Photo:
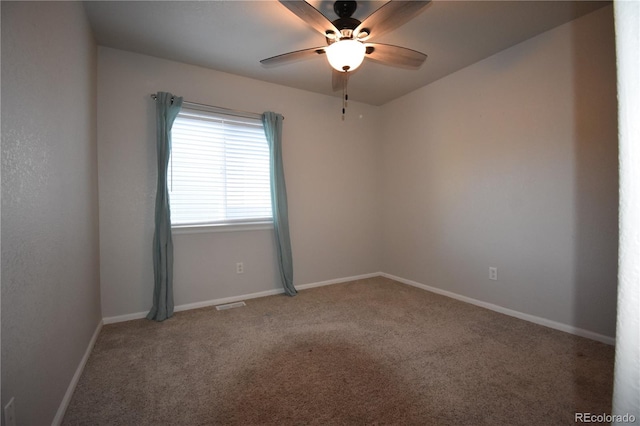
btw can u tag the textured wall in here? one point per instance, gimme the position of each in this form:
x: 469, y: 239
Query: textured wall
x: 50, y: 272
x: 512, y: 163
x: 331, y: 169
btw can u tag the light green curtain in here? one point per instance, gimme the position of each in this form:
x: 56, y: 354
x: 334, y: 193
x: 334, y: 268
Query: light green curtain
x: 167, y: 108
x: 272, y: 123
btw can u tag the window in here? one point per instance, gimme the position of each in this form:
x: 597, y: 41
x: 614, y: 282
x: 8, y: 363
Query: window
x: 218, y: 170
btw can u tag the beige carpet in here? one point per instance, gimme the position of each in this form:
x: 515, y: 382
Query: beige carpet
x: 366, y: 352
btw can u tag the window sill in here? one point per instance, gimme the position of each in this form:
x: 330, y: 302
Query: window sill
x: 233, y: 227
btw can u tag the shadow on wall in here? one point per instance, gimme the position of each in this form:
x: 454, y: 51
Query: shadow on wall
x: 596, y: 175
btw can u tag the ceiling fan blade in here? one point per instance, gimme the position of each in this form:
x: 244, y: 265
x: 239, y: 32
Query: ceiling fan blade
x: 292, y: 56
x: 389, y: 17
x: 395, y: 55
x: 311, y: 16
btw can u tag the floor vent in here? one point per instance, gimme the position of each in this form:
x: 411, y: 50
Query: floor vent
x: 230, y: 305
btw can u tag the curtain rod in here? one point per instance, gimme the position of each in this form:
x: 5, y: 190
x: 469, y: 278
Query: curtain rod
x: 220, y: 109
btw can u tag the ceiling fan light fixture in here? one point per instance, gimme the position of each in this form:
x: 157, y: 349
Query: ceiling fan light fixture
x: 346, y: 55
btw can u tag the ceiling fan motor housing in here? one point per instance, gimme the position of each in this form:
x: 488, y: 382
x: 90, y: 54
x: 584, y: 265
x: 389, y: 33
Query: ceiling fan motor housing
x: 345, y: 23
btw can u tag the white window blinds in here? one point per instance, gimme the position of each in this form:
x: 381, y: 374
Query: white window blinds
x: 218, y: 170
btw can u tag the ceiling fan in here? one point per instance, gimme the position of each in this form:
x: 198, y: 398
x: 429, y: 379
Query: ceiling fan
x: 348, y: 39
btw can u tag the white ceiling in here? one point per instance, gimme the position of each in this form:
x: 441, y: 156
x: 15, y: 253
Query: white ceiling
x: 233, y: 36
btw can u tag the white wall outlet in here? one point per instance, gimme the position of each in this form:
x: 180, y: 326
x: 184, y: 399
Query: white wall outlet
x: 9, y: 414
x: 493, y: 273
x: 239, y: 268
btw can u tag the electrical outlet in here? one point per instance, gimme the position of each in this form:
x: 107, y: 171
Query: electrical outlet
x: 239, y: 268
x: 493, y: 273
x: 9, y: 414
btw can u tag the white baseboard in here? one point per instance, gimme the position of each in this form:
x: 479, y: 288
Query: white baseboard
x: 225, y: 300
x: 123, y: 318
x: 338, y: 280
x: 195, y: 305
x: 76, y: 377
x: 527, y: 317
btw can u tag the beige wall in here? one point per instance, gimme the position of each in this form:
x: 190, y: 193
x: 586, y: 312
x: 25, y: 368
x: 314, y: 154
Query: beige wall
x: 331, y: 169
x: 50, y: 270
x: 512, y: 163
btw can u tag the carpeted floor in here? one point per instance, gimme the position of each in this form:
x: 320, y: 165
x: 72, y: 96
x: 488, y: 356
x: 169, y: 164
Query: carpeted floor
x: 366, y: 352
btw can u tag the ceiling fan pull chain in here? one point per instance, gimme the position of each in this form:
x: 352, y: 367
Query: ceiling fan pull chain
x: 345, y: 95
x: 346, y: 91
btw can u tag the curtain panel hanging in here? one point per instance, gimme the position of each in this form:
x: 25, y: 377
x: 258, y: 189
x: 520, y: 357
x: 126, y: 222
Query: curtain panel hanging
x: 167, y: 108
x: 272, y: 123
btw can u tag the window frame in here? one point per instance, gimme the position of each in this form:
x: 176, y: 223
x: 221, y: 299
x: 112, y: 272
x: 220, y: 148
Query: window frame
x: 230, y: 226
